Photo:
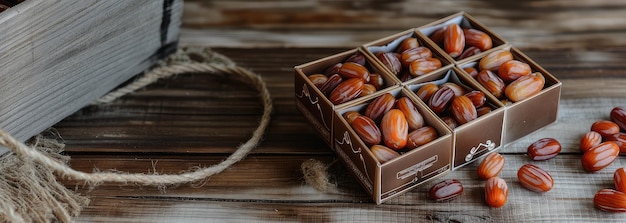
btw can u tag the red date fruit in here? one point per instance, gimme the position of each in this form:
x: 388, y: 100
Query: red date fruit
x: 620, y: 140
x: 379, y: 106
x: 544, y: 149
x: 463, y: 109
x: 391, y: 61
x: 367, y: 130
x: 470, y: 51
x: 610, y: 200
x: 330, y: 84
x: 619, y: 178
x: 412, y: 115
x: 491, y: 166
x: 318, y: 79
x: 377, y: 80
x: 334, y: 69
x: 454, y: 40
x: 350, y: 116
x: 590, y: 140
x: 491, y: 82
x: 394, y: 129
x: 426, y: 91
x: 356, y: 58
x: 496, y: 192
x: 605, y: 128
x: 408, y: 43
x: 534, y: 178
x: 354, y: 70
x: 446, y: 190
x: 450, y: 122
x: 471, y: 71
x: 618, y: 115
x: 477, y: 38
x: 421, y: 136
x: 346, y: 91
x: 600, y: 156
x: 414, y: 54
x: 512, y: 70
x: 441, y: 99
x: 424, y: 66
x: 478, y: 98
x: 383, y: 154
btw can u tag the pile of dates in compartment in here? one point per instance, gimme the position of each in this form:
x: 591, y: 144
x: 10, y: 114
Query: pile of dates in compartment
x: 499, y: 72
x: 390, y: 126
x: 346, y: 81
x: 409, y: 60
x: 453, y: 104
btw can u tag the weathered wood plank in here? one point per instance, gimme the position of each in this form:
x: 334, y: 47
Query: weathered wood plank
x: 245, y: 192
x: 532, y: 24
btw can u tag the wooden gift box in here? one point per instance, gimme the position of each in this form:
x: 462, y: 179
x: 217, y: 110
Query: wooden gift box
x: 455, y: 147
x: 57, y: 57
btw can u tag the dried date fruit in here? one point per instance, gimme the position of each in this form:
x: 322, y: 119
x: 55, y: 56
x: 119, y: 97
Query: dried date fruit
x: 408, y: 43
x: 534, y: 178
x: 367, y: 89
x: 600, y: 156
x: 610, y: 200
x: 605, y: 128
x: 477, y: 38
x: 463, y: 109
x: 424, y: 66
x: 478, y: 98
x: 376, y: 80
x: 394, y: 129
x: 493, y: 60
x: 390, y: 61
x: 454, y: 40
x: 544, y: 149
x: 458, y: 90
x: 446, y: 190
x: 483, y: 110
x: 421, y: 136
x: 619, y: 179
x: 426, y: 91
x: 450, y: 122
x: 491, y: 166
x: 350, y: 116
x: 334, y: 69
x: 441, y: 99
x: 618, y: 115
x: 383, y: 153
x: 367, y: 130
x: 620, y: 140
x: 512, y: 70
x: 524, y: 87
x: 470, y: 51
x: 589, y: 140
x: 414, y: 54
x: 330, y: 84
x: 471, y: 71
x: 354, y: 70
x: 438, y: 36
x: 379, y: 106
x: 346, y: 91
x: 412, y: 115
x: 318, y: 79
x: 491, y: 82
x: 496, y: 192
x: 356, y: 58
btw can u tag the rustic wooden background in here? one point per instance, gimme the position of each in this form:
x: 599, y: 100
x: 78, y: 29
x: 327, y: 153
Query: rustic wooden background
x: 193, y: 120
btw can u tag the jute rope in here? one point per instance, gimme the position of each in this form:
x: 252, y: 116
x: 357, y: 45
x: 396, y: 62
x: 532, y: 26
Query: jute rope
x: 212, y: 64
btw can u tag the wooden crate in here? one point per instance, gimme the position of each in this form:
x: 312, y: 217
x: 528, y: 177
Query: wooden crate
x: 58, y: 56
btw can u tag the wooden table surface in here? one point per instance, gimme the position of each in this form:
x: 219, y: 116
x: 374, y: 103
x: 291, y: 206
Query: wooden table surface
x: 188, y: 121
